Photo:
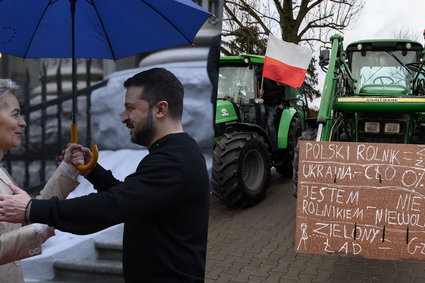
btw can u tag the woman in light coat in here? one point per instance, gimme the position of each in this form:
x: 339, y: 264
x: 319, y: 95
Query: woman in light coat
x: 17, y: 241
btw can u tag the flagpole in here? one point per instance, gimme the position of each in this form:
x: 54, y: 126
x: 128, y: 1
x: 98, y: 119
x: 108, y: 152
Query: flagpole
x: 261, y: 92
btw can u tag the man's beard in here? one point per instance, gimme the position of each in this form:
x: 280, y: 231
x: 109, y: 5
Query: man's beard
x: 144, y: 135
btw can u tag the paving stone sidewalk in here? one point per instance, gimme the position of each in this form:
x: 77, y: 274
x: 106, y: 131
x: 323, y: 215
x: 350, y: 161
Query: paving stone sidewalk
x: 257, y: 245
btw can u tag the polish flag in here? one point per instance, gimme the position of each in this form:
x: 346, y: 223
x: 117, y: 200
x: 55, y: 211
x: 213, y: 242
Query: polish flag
x: 286, y: 62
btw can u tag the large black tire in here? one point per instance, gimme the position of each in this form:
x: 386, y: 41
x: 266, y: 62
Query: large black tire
x: 309, y: 135
x: 241, y: 169
x: 286, y: 166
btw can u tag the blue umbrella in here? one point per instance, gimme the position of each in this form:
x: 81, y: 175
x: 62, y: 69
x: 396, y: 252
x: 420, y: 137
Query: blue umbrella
x: 105, y: 29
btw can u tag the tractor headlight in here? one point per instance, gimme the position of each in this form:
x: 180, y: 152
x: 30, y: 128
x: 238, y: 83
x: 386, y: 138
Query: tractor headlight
x: 392, y: 128
x: 408, y: 45
x: 359, y: 46
x: 371, y: 127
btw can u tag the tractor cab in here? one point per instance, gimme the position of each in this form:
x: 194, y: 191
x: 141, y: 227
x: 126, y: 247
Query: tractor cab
x: 237, y: 92
x: 378, y: 92
x: 383, y: 68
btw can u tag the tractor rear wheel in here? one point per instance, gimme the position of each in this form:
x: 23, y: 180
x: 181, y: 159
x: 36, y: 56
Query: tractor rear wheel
x: 309, y: 135
x: 295, y: 132
x: 241, y: 169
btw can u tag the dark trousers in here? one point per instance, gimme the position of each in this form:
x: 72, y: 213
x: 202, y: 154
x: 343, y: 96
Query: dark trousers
x: 271, y: 116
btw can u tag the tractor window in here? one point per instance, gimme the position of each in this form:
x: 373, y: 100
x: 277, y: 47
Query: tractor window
x: 236, y: 84
x: 383, y: 68
x: 296, y: 97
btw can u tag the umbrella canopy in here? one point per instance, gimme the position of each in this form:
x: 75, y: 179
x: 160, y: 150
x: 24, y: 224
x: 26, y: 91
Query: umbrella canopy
x: 105, y: 29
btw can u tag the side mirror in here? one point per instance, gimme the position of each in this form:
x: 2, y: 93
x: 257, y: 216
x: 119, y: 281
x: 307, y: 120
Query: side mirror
x: 324, y: 57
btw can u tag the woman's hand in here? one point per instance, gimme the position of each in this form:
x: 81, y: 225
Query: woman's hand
x: 76, y: 154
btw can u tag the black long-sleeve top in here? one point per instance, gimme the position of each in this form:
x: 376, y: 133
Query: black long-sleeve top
x: 164, y: 207
x: 273, y: 92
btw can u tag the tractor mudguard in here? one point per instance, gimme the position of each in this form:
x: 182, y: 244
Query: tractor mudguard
x: 284, y: 125
x: 247, y: 127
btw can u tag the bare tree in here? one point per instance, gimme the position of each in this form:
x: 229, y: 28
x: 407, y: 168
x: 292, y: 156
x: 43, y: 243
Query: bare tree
x: 245, y: 40
x: 407, y: 33
x: 293, y: 21
x: 298, y: 21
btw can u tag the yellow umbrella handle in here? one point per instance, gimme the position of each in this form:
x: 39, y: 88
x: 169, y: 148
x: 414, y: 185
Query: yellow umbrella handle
x: 93, y: 147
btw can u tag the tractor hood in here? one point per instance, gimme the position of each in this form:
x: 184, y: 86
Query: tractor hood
x: 382, y: 89
x: 380, y: 103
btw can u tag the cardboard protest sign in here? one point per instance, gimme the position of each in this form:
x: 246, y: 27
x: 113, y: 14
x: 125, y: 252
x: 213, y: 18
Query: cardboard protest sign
x: 361, y: 199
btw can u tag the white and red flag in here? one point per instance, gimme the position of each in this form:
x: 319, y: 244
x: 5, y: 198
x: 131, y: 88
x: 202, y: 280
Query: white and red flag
x: 286, y: 62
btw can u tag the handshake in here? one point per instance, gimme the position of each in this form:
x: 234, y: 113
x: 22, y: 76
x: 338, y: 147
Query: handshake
x: 15, y: 208
x: 76, y: 155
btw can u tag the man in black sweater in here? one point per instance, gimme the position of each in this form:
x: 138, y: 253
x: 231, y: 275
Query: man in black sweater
x: 164, y: 204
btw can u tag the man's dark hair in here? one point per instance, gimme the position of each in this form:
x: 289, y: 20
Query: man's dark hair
x: 160, y: 84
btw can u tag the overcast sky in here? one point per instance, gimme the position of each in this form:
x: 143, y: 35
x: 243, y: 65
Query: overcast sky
x: 383, y: 19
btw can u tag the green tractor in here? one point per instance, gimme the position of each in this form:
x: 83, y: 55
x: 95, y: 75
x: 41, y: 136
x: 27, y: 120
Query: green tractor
x: 243, y: 152
x: 373, y: 92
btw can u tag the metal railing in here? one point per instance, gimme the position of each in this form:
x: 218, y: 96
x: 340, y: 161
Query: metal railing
x: 40, y: 154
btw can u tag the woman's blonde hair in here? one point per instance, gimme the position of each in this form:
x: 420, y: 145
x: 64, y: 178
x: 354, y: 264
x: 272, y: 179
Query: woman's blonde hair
x: 7, y: 85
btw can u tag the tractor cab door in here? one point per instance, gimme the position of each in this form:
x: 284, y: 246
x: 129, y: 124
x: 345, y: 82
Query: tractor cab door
x: 237, y: 83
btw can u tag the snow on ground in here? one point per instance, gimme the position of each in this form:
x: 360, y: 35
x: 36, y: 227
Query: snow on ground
x: 63, y: 245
